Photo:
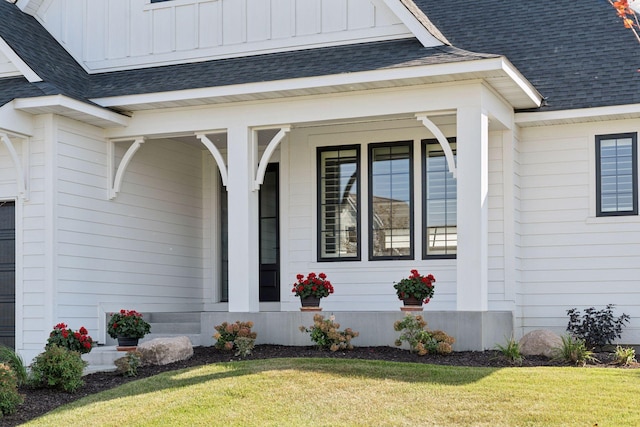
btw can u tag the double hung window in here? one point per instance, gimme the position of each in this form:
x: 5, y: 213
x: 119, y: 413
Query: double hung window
x: 616, y: 175
x: 338, y: 203
x: 391, y: 200
x: 439, y: 194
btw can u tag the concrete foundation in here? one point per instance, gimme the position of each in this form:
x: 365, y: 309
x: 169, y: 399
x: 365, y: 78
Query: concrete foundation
x: 473, y: 330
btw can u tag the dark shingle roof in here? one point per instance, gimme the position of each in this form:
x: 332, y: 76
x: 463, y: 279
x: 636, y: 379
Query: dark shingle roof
x: 575, y: 52
x: 277, y: 66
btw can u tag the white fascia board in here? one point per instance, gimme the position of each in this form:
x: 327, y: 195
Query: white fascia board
x: 24, y: 69
x: 64, y: 102
x: 29, y: 6
x: 15, y: 121
x: 578, y: 115
x: 498, y: 64
x: 412, y: 23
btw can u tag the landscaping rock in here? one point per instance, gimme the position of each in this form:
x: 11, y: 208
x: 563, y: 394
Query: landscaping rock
x: 541, y: 342
x: 162, y: 351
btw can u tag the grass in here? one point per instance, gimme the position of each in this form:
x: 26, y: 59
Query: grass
x: 329, y: 392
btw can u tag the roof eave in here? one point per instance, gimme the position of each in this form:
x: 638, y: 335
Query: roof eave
x: 72, y: 108
x: 497, y: 71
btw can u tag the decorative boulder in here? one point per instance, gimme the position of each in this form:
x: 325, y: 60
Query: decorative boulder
x: 541, y: 342
x: 162, y: 351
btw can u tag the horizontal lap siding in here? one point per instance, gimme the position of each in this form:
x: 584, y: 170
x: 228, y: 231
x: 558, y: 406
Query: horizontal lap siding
x: 569, y: 258
x: 143, y: 247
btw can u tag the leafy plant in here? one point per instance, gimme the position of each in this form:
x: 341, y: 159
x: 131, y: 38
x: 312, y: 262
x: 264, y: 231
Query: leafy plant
x: 326, y: 334
x: 58, y: 367
x: 624, y: 355
x: 511, y: 351
x: 9, y: 357
x: 10, y: 399
x: 129, y: 364
x: 596, y: 327
x: 420, y: 339
x: 63, y: 336
x: 236, y: 336
x: 417, y: 286
x: 574, y: 350
x: 312, y: 286
x: 127, y: 323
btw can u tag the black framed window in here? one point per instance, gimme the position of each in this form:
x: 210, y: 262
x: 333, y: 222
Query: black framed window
x: 616, y: 174
x: 439, y: 201
x: 391, y: 200
x: 338, y: 203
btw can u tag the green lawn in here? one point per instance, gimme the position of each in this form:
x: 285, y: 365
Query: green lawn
x: 336, y: 392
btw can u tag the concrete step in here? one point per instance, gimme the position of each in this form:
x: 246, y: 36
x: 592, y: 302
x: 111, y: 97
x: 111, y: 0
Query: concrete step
x: 190, y: 317
x: 193, y: 337
x: 173, y: 328
x: 101, y: 359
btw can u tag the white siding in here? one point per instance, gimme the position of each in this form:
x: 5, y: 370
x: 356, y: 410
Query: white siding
x: 114, y: 34
x: 142, y: 250
x: 7, y: 69
x: 569, y: 257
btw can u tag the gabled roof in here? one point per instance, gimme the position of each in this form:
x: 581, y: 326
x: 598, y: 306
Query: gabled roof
x: 571, y: 55
x: 577, y: 54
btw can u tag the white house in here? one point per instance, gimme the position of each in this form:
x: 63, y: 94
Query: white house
x: 193, y: 156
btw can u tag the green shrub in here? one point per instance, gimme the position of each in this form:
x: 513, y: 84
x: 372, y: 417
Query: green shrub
x: 511, y: 351
x: 13, y: 359
x: 10, y: 399
x: 421, y: 340
x: 236, y: 336
x: 596, y: 328
x: 327, y: 335
x: 624, y: 355
x: 574, y: 350
x: 129, y: 364
x: 58, y: 368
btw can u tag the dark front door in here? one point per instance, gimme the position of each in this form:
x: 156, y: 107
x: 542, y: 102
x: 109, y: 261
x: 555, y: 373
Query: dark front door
x: 270, y: 236
x: 7, y: 274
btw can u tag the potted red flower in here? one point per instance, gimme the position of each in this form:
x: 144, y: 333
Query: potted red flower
x: 128, y: 327
x: 311, y: 289
x: 415, y: 289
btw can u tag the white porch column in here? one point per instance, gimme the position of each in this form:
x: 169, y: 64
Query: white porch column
x: 243, y: 220
x: 473, y: 185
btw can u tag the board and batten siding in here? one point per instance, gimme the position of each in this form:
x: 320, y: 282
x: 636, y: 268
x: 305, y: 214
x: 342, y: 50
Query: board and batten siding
x: 359, y: 285
x: 570, y: 258
x: 111, y: 35
x: 142, y: 250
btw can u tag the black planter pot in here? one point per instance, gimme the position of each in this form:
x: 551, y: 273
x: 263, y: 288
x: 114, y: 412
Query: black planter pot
x: 128, y: 342
x: 310, y: 304
x: 411, y: 304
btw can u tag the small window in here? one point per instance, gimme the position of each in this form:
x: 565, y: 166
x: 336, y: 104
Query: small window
x: 616, y: 175
x: 391, y: 200
x: 440, y: 205
x: 339, y: 203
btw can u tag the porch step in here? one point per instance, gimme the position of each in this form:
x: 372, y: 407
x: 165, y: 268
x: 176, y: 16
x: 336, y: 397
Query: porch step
x: 174, y: 325
x: 101, y: 359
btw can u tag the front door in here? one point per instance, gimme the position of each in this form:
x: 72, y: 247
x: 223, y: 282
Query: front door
x: 7, y: 274
x: 270, y: 236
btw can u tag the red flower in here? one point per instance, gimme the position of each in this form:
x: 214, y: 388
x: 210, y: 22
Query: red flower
x: 322, y: 276
x: 65, y: 333
x: 83, y: 330
x: 60, y: 326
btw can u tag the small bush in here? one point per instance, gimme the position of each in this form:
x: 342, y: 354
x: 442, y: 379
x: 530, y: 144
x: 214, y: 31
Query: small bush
x: 236, y: 336
x: 13, y: 359
x: 10, y: 399
x: 327, y: 335
x: 511, y: 351
x: 574, y: 350
x: 596, y: 328
x: 64, y: 336
x: 421, y: 340
x: 58, y: 367
x: 129, y: 364
x: 624, y: 355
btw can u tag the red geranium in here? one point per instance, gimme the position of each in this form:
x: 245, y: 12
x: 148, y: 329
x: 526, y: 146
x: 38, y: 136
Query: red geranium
x: 313, y: 285
x: 62, y: 336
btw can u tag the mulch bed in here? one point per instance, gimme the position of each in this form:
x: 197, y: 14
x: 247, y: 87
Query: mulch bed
x: 40, y: 401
